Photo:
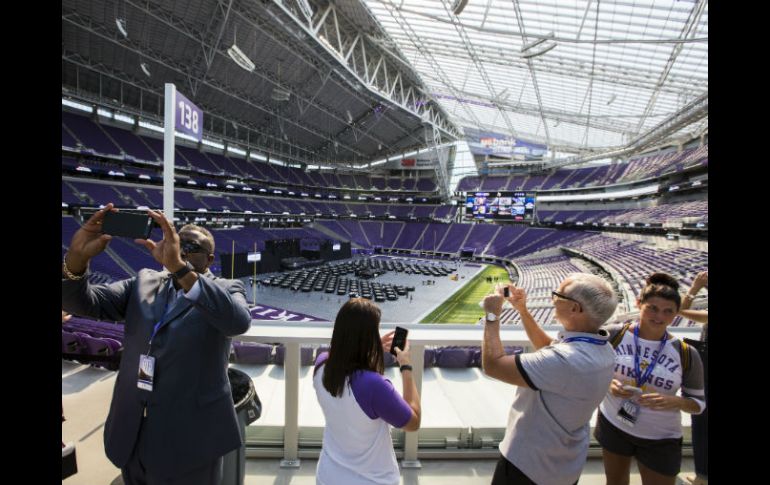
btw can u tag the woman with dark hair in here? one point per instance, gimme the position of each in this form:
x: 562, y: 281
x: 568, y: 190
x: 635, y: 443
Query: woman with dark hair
x: 358, y: 403
x: 640, y: 416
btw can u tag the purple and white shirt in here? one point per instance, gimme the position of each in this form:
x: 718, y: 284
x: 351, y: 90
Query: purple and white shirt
x: 357, y: 448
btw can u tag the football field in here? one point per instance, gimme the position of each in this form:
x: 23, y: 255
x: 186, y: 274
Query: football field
x: 463, y: 306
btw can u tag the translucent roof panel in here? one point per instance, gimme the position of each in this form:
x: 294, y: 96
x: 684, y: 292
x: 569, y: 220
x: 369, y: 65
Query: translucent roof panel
x: 574, y: 74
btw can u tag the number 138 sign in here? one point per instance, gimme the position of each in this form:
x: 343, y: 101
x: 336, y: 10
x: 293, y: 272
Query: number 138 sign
x: 189, y: 118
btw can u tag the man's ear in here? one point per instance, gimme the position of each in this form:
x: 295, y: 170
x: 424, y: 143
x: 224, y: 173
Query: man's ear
x: 210, y: 260
x: 579, y: 308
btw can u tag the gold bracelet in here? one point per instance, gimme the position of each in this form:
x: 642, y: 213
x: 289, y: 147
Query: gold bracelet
x: 69, y: 274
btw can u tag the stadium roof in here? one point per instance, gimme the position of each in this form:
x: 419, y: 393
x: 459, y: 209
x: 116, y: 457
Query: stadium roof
x: 579, y: 75
x: 319, y: 92
x: 352, y: 81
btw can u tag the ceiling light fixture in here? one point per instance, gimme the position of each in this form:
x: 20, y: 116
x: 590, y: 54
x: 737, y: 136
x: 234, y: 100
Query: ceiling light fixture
x: 537, y: 42
x: 458, y: 6
x: 121, y: 23
x: 279, y: 94
x: 237, y: 55
x: 531, y: 54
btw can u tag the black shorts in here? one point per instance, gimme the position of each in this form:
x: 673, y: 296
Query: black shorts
x: 506, y: 473
x: 662, y: 456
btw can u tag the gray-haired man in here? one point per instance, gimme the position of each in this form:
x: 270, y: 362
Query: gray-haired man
x: 559, y: 385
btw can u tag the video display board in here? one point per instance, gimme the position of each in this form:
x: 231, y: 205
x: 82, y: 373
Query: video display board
x: 512, y: 206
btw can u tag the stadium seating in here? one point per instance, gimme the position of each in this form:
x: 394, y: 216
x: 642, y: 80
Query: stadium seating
x: 82, y: 132
x: 695, y: 211
x: 638, y: 168
x: 252, y: 353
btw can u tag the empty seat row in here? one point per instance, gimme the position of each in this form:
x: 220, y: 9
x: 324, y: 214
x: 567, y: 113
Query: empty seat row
x: 253, y: 353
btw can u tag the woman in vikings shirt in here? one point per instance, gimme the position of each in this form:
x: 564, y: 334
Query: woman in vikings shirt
x: 359, y: 404
x: 640, y: 416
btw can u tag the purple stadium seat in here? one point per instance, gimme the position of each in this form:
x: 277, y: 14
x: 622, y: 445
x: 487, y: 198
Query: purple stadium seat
x: 95, y: 345
x: 430, y: 358
x: 454, y: 358
x: 508, y: 349
x: 476, y: 361
x: 101, y: 347
x: 513, y: 349
x: 252, y: 353
x: 305, y: 355
x: 114, y: 345
x: 71, y: 343
x: 390, y: 360
x: 321, y: 350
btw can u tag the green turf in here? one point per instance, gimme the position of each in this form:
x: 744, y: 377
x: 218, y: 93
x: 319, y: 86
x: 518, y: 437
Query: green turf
x: 463, y: 306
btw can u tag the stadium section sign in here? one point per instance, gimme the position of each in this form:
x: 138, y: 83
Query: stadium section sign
x: 189, y: 118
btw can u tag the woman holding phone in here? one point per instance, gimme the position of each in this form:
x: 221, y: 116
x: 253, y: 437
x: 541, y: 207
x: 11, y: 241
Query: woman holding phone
x: 359, y: 404
x: 640, y: 416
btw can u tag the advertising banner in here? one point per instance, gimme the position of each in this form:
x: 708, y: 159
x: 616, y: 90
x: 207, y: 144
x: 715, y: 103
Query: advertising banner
x: 503, y: 146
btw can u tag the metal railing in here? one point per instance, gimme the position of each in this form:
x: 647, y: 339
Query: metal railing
x: 294, y: 334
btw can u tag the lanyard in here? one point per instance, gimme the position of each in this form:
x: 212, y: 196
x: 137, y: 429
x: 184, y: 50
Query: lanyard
x: 157, y: 327
x: 590, y: 340
x: 637, y: 365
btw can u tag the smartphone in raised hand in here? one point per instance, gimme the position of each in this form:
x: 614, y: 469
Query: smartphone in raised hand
x: 399, y: 339
x: 126, y: 224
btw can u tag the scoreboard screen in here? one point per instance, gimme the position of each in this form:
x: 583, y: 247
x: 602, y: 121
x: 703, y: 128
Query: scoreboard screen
x: 512, y: 206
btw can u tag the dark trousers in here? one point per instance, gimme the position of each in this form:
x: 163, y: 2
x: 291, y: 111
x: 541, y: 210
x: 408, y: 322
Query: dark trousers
x: 507, y: 474
x: 134, y: 473
x: 700, y: 428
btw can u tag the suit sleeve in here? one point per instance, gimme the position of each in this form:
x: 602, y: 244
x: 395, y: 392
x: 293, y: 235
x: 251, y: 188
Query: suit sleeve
x: 223, y: 304
x: 103, y: 302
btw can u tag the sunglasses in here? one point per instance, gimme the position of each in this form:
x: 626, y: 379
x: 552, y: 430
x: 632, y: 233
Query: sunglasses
x: 556, y: 294
x: 189, y: 247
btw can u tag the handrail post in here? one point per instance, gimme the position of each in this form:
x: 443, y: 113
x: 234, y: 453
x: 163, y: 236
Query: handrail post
x: 411, y: 438
x: 291, y: 413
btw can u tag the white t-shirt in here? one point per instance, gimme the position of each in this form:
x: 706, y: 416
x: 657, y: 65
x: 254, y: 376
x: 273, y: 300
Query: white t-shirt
x: 357, y: 448
x: 666, y: 378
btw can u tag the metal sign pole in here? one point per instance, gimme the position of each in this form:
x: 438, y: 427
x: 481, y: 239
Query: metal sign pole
x: 168, y: 152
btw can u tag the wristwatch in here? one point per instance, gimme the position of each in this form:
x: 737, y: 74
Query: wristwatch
x: 491, y: 317
x: 183, y: 272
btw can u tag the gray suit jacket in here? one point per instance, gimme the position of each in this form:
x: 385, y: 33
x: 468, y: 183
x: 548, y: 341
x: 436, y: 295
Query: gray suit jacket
x: 190, y: 415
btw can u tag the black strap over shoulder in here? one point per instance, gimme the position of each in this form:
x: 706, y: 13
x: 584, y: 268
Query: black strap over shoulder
x: 619, y: 336
x: 684, y: 354
x: 699, y: 345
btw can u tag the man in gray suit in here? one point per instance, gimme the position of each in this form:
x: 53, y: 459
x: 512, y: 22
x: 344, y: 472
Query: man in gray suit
x: 172, y: 422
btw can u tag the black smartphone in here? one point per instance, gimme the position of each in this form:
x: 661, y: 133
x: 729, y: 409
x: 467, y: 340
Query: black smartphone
x: 506, y: 292
x: 399, y: 339
x: 126, y: 224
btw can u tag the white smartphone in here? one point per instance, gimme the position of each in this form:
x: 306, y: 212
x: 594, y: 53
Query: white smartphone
x: 633, y: 389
